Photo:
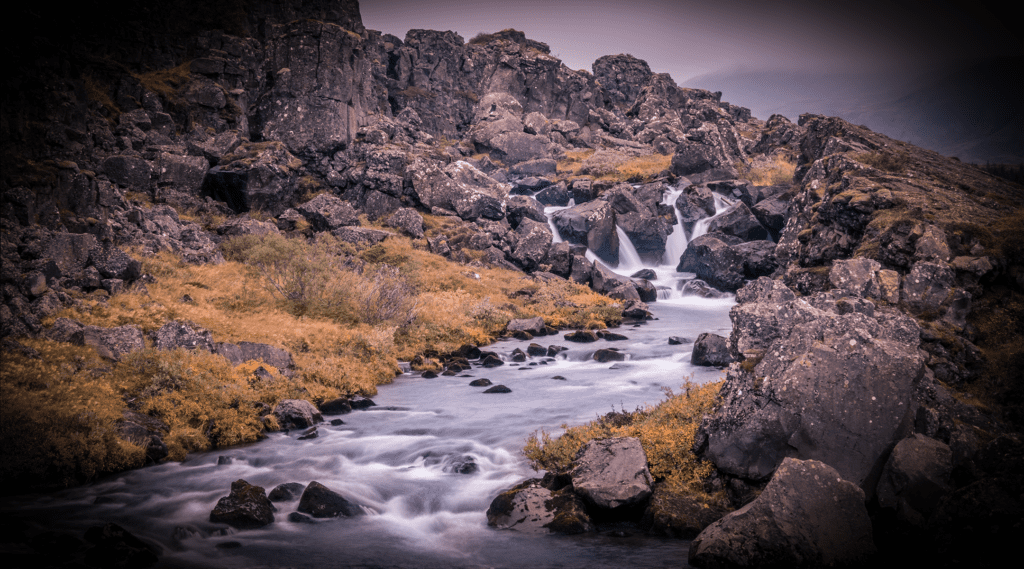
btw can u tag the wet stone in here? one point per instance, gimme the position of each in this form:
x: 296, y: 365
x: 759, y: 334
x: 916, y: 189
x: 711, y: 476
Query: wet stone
x: 498, y: 389
x: 287, y: 492
x: 482, y: 382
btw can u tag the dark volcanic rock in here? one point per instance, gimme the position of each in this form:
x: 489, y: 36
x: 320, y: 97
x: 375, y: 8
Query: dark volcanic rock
x: 327, y: 213
x: 182, y: 335
x: 801, y: 351
x: 696, y: 202
x: 609, y: 355
x: 610, y: 473
x: 498, y: 389
x: 483, y: 382
x: 582, y: 336
x: 530, y: 507
x: 739, y: 222
x: 297, y: 414
x: 915, y: 478
x: 114, y: 546
x: 287, y: 492
x: 678, y: 515
x: 247, y: 507
x: 320, y: 501
x: 591, y: 224
x: 713, y: 261
x: 711, y: 350
x: 807, y: 516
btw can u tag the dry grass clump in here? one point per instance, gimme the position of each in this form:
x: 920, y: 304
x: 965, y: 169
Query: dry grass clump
x: 642, y: 168
x: 166, y: 82
x: 666, y: 432
x: 612, y: 166
x: 57, y: 417
x: 895, y: 161
x: 204, y: 400
x: 774, y: 171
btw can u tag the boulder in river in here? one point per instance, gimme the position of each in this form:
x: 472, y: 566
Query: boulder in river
x: 711, y: 350
x: 610, y: 473
x: 297, y: 414
x: 533, y: 508
x: 320, y: 501
x: 246, y: 507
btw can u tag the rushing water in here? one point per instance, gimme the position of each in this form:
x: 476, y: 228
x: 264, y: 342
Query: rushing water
x: 400, y: 460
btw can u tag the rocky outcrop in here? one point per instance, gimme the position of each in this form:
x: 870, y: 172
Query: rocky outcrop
x: 801, y: 348
x: 807, y: 516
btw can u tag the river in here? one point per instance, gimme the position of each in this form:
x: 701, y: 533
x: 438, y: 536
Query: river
x: 400, y: 460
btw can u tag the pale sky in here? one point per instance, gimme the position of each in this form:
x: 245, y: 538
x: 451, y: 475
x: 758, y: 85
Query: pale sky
x: 687, y: 38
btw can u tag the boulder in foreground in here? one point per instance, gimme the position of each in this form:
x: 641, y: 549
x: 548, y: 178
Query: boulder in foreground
x: 807, y: 516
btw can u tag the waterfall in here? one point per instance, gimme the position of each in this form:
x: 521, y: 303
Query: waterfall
x: 629, y: 259
x: 676, y: 243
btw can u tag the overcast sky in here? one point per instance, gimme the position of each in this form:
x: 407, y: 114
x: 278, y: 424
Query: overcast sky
x: 688, y: 38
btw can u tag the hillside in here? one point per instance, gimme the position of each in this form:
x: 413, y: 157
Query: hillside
x: 207, y: 213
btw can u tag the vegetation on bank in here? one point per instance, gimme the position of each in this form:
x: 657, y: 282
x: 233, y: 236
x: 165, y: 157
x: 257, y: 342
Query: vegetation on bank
x: 666, y: 432
x: 346, y: 313
x: 612, y: 166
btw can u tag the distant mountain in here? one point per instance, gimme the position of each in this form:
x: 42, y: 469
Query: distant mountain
x: 974, y: 112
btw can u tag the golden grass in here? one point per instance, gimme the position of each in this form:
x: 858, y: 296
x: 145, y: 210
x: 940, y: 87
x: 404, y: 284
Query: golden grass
x: 776, y: 171
x: 57, y: 417
x: 166, y: 82
x: 356, y: 313
x: 666, y: 432
x: 633, y: 169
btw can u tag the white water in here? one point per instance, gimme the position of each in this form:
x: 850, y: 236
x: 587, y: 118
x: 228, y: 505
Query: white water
x: 396, y: 459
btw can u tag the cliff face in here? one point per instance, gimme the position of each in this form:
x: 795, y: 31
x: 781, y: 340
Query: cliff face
x: 169, y: 129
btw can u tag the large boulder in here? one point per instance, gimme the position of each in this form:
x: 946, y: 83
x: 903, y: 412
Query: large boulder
x: 111, y: 343
x: 459, y: 188
x: 327, y: 213
x: 176, y: 334
x: 247, y: 351
x: 739, y: 222
x: 714, y: 262
x: 675, y: 515
x: 254, y: 177
x: 807, y: 516
x: 532, y: 240
x: 591, y: 224
x: 532, y: 507
x: 611, y: 473
x: 711, y: 350
x: 696, y: 202
x: 246, y: 507
x: 320, y: 501
x: 916, y: 477
x: 804, y: 348
x: 297, y: 413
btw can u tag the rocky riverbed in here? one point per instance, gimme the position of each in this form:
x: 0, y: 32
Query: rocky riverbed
x: 871, y: 359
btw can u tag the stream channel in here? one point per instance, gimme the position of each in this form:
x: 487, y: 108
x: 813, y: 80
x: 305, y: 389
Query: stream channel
x: 401, y: 460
